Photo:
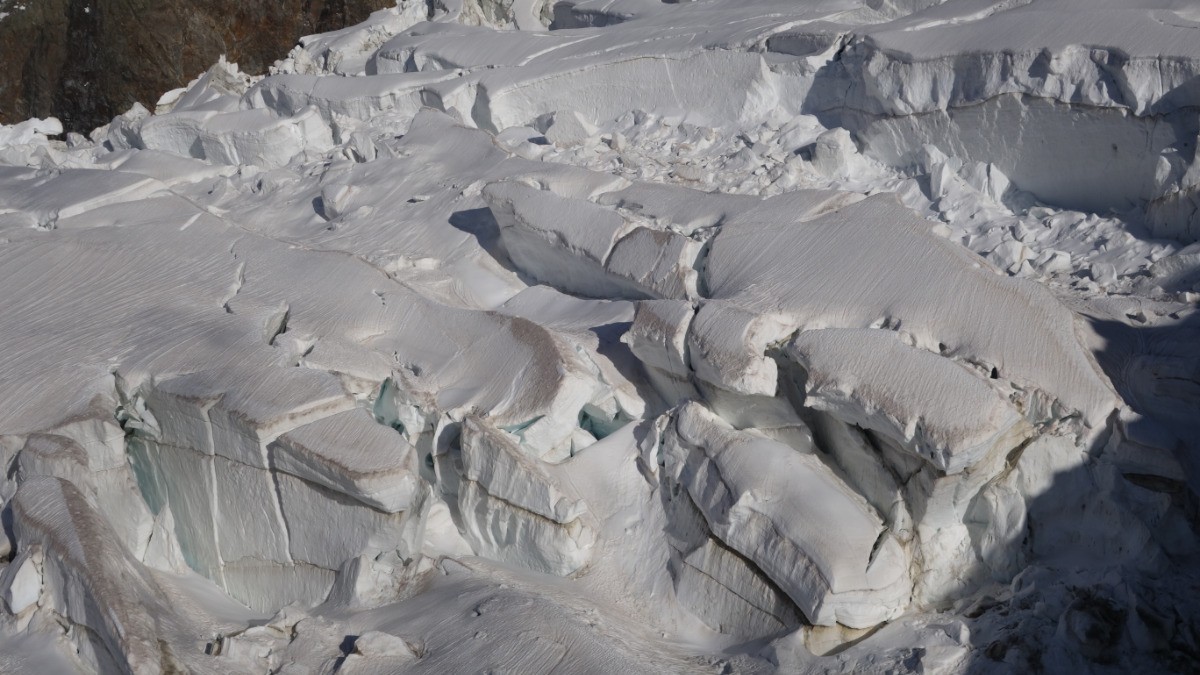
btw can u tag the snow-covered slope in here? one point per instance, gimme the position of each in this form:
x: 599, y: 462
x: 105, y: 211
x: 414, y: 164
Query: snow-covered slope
x: 626, y: 336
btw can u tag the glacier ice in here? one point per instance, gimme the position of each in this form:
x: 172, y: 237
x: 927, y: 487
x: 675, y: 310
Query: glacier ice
x: 591, y: 336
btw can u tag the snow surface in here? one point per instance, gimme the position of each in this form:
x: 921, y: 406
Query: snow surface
x: 618, y: 336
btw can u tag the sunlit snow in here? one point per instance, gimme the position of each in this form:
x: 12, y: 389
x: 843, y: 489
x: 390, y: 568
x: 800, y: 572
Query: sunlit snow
x: 618, y: 336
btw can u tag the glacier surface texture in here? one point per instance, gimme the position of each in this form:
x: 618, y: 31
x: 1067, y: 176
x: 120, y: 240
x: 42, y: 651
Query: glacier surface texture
x: 618, y: 336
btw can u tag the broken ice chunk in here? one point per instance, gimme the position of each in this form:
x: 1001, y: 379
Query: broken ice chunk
x: 727, y: 344
x: 91, y: 580
x: 501, y: 531
x: 247, y: 517
x: 583, y: 248
x: 109, y: 489
x: 831, y: 152
x: 256, y: 407
x: 514, y: 509
x: 21, y: 580
x: 569, y: 128
x: 559, y: 241
x: 875, y: 258
x: 790, y: 514
x: 658, y: 336
x: 352, y: 454
x: 935, y: 408
x: 325, y: 530
x: 661, y: 263
x: 866, y: 470
x: 677, y: 208
x: 183, y: 480
x: 264, y: 585
x: 255, y: 136
x: 355, y: 97
x: 604, y: 89
x: 492, y: 458
x: 730, y: 595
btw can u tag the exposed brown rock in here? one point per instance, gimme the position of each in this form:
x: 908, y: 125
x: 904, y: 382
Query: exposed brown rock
x: 85, y: 61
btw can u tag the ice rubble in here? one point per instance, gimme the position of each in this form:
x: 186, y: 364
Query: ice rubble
x: 610, y: 336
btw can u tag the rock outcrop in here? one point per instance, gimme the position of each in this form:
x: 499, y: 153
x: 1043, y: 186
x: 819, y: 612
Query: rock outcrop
x: 85, y: 61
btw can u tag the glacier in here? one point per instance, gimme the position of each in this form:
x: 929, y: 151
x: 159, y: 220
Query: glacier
x: 618, y: 336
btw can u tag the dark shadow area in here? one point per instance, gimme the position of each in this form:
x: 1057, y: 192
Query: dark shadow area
x: 6, y: 527
x: 628, y: 365
x: 1110, y: 578
x: 347, y: 648
x: 1156, y: 370
x: 318, y: 205
x: 566, y: 15
x: 481, y: 224
x: 611, y: 333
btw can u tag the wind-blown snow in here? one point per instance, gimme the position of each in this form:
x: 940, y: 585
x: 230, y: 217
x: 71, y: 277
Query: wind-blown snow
x: 625, y: 336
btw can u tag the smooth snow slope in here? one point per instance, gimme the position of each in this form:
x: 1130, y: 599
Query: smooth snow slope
x: 618, y: 336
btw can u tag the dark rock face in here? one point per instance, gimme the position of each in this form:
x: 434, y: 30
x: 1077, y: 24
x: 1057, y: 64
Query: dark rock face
x: 85, y: 61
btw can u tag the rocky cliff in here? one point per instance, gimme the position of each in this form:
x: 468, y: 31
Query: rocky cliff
x: 85, y: 61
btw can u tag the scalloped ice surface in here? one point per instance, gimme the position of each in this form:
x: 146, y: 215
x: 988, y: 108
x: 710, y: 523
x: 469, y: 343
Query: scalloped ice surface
x: 618, y: 336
